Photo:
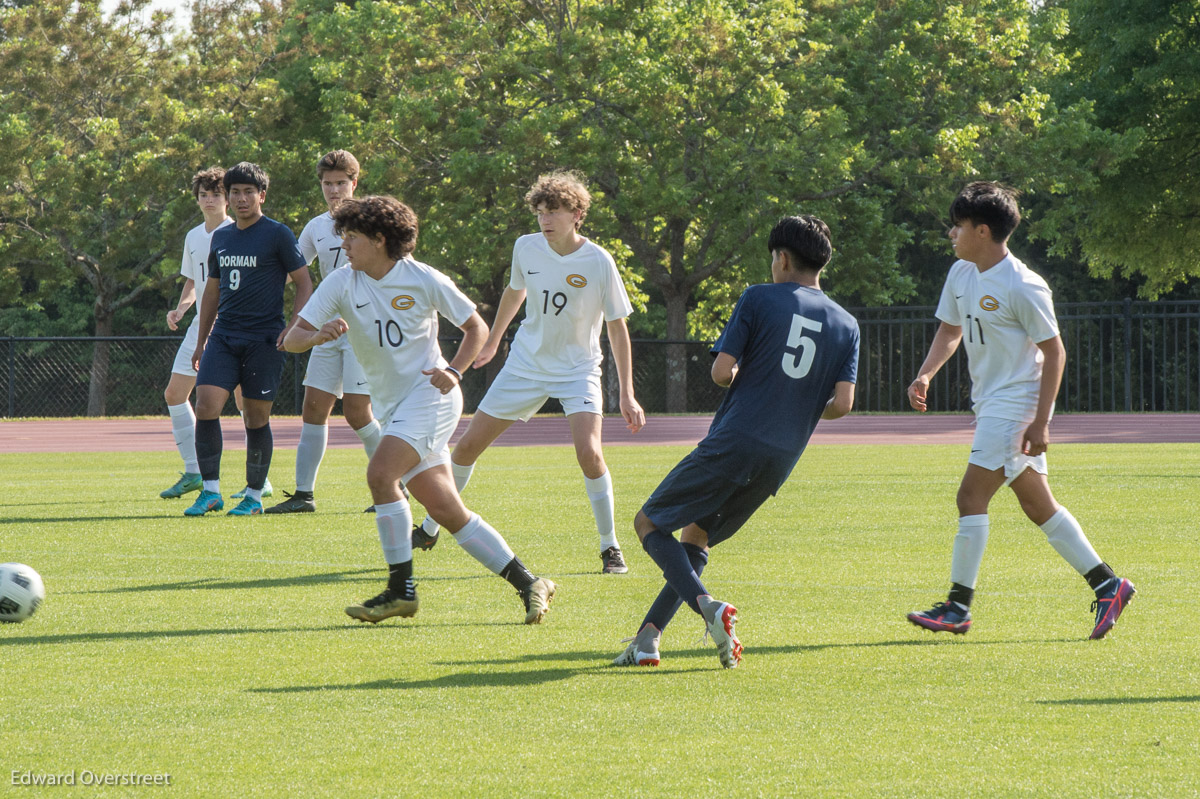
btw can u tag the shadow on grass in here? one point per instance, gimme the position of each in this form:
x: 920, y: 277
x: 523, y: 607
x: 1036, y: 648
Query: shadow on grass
x: 1119, y: 700
x: 77, y: 519
x: 211, y: 583
x: 466, y: 679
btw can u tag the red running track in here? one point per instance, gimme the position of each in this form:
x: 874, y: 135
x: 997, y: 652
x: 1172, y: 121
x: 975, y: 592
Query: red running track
x: 154, y: 435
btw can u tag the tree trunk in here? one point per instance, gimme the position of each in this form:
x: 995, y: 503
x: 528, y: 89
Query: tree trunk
x: 676, y: 352
x: 98, y: 382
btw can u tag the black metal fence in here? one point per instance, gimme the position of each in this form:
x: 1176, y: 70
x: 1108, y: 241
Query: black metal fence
x: 1121, y: 356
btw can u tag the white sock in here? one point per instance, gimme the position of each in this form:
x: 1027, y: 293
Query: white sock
x: 482, y: 542
x: 1067, y: 538
x: 600, y: 493
x: 213, y: 486
x: 968, y: 549
x: 369, y: 435
x: 393, y: 520
x: 254, y: 493
x: 309, y: 452
x: 183, y: 427
x: 462, y: 476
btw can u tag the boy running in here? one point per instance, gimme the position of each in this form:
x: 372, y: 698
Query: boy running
x: 1003, y: 314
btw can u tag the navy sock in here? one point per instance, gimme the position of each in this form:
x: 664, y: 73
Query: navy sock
x: 208, y: 448
x: 672, y: 558
x: 665, y: 606
x: 260, y: 445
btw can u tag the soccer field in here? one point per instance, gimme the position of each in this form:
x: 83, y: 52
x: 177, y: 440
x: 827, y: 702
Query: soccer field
x: 216, y: 651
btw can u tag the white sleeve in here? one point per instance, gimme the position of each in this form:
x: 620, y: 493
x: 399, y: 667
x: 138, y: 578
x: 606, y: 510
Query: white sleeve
x: 1036, y: 313
x: 449, y: 301
x: 185, y: 263
x: 616, y: 300
x: 516, y: 278
x: 947, y: 310
x: 308, y: 247
x: 325, y: 303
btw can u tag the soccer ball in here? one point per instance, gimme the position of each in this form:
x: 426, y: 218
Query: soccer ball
x: 21, y: 591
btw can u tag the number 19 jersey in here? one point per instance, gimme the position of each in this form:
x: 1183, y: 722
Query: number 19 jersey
x: 566, y: 299
x: 393, y: 323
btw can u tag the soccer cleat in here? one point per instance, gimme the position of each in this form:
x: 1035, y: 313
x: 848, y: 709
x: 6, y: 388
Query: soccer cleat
x: 719, y: 618
x: 187, y: 483
x: 537, y: 598
x: 943, y: 617
x: 266, y: 492
x: 370, y: 509
x: 614, y: 561
x: 300, y: 502
x: 643, y: 649
x: 423, y: 540
x: 247, y: 507
x: 384, y: 606
x: 1109, y: 607
x: 208, y: 500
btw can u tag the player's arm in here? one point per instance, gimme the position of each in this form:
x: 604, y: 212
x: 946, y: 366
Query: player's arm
x: 475, y: 333
x: 841, y: 402
x: 302, y: 336
x: 304, y: 290
x: 208, y: 315
x: 187, y: 298
x: 622, y: 350
x: 510, y: 303
x: 724, y: 369
x: 1037, y: 435
x: 945, y: 342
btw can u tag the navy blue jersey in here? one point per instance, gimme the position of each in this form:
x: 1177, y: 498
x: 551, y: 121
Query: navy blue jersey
x: 792, y: 345
x: 253, y: 265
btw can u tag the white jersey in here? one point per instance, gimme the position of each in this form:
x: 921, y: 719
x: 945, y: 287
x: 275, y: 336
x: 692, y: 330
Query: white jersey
x: 567, y: 298
x: 194, y: 263
x: 318, y: 241
x: 393, y: 323
x: 1004, y: 313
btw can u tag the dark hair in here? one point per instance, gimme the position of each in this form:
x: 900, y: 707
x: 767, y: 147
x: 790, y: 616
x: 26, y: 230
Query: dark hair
x: 563, y: 189
x: 805, y: 238
x: 338, y: 160
x: 208, y: 180
x: 247, y: 173
x: 987, y: 203
x: 379, y: 216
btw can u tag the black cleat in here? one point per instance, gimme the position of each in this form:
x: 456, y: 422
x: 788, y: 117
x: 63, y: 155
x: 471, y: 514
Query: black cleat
x: 423, y: 540
x: 300, y: 502
x: 614, y: 561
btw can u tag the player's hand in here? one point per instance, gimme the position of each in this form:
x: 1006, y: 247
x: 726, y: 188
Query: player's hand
x: 330, y: 331
x: 917, y: 391
x: 196, y: 359
x: 173, y: 317
x: 485, y: 355
x: 1036, y: 439
x: 442, y: 379
x: 635, y: 417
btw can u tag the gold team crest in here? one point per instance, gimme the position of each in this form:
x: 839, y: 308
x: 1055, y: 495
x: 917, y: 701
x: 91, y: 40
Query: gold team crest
x: 988, y: 303
x: 403, y: 302
x: 578, y: 281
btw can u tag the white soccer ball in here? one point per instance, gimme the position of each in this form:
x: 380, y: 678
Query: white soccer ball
x: 21, y: 591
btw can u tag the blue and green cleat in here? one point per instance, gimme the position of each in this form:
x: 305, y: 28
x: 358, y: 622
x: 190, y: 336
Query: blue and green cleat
x: 247, y: 507
x: 187, y: 483
x: 207, y: 501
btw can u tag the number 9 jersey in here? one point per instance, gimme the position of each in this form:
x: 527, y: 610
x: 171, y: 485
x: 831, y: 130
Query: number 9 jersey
x: 393, y: 323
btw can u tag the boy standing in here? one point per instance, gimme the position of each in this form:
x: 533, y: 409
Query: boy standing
x: 572, y: 285
x: 789, y: 356
x: 1003, y: 314
x: 387, y: 304
x: 248, y: 264
x: 333, y: 372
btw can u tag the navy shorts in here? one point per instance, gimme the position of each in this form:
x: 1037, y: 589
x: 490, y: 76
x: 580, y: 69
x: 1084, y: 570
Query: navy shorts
x: 696, y: 491
x: 255, y: 364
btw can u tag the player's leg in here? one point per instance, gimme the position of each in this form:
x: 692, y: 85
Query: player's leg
x: 217, y: 376
x: 267, y: 489
x: 183, y: 418
x: 597, y: 482
x: 261, y: 371
x: 356, y: 401
x: 1066, y: 536
x: 310, y: 450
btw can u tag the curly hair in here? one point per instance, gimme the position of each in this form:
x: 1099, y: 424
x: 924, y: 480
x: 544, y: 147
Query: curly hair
x: 211, y: 179
x: 340, y: 161
x: 561, y: 189
x: 379, y: 215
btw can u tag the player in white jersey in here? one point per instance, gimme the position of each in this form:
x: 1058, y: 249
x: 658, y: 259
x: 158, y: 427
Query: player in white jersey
x: 333, y: 372
x: 209, y: 192
x: 1003, y: 315
x: 569, y: 286
x: 387, y: 305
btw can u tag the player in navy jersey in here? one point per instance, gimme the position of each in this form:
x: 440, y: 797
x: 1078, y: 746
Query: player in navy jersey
x: 248, y: 265
x: 789, y: 355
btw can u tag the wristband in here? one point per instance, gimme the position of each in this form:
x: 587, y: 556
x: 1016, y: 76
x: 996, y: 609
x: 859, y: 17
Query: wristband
x: 457, y: 373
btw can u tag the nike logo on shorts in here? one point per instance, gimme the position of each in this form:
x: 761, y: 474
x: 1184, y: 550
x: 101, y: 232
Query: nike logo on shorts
x: 363, y: 382
x: 266, y: 391
x: 533, y: 273
x: 587, y: 402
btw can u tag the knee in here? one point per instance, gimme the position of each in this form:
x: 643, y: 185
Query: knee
x: 642, y: 525
x: 591, y: 461
x: 357, y: 417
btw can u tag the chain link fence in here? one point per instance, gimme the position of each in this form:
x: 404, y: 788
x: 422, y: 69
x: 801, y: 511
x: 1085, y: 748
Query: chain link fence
x: 1121, y: 356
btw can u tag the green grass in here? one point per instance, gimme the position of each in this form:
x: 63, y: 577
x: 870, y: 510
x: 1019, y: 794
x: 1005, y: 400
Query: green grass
x: 216, y: 650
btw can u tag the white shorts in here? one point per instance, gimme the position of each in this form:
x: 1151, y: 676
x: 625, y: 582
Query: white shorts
x: 183, y: 356
x: 332, y: 367
x: 425, y: 420
x: 998, y: 444
x: 511, y: 397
